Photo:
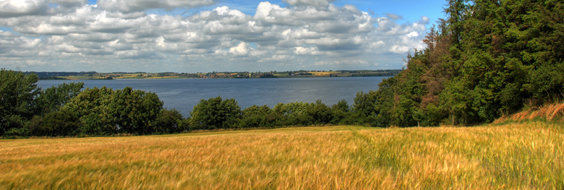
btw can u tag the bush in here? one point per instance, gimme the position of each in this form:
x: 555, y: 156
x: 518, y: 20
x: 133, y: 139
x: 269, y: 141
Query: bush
x: 16, y: 126
x: 60, y: 123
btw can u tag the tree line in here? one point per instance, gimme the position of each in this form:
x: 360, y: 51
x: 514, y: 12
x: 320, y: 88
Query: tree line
x: 70, y: 110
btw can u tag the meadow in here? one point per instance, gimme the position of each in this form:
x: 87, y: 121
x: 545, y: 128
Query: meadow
x: 511, y: 155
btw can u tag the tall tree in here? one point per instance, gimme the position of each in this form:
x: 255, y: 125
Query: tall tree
x: 17, y: 93
x: 53, y: 98
x: 215, y: 113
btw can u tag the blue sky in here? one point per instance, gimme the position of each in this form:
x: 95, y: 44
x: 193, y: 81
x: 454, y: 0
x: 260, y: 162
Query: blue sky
x: 410, y: 10
x: 211, y: 35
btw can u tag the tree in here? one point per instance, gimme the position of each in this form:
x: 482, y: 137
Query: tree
x: 54, y: 98
x: 257, y: 116
x: 59, y: 123
x: 103, y: 111
x: 133, y: 111
x: 91, y: 109
x: 364, y: 108
x: 215, y: 113
x: 17, y: 93
x: 482, y: 62
x: 320, y: 113
x: 340, y: 112
x: 169, y: 121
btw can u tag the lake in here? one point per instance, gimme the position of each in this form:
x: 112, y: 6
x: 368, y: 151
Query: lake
x: 184, y: 94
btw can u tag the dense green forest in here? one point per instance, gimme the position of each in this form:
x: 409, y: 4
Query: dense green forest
x: 485, y: 60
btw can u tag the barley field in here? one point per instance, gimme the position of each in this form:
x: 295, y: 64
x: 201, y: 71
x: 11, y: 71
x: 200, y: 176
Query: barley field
x: 527, y: 155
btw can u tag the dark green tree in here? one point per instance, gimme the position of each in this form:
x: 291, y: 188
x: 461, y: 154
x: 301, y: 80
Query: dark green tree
x: 257, y: 116
x: 54, y: 98
x: 17, y: 94
x: 134, y: 111
x: 59, y: 123
x: 169, y: 121
x: 341, y: 113
x: 91, y: 108
x: 320, y: 113
x: 215, y: 113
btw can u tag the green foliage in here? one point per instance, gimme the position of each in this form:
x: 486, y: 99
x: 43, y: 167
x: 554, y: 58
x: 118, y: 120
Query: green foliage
x: 341, y: 113
x: 257, y: 116
x: 17, y: 93
x: 375, y: 107
x: 215, y: 113
x: 169, y: 121
x: 16, y: 126
x: 66, y: 111
x: 134, y: 110
x: 52, y: 99
x: 482, y: 62
x: 91, y: 108
x: 59, y: 123
x: 103, y: 111
x: 293, y: 114
x: 319, y: 113
x: 364, y: 107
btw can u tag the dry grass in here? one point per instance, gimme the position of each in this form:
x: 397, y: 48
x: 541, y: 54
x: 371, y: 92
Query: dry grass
x: 549, y: 112
x: 513, y: 156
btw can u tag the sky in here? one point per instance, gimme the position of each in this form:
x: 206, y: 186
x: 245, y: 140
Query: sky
x: 212, y: 35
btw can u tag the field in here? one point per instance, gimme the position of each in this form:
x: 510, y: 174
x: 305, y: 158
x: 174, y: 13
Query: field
x: 528, y: 155
x: 117, y: 76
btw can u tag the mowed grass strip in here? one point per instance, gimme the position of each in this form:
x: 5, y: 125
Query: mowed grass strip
x: 510, y: 156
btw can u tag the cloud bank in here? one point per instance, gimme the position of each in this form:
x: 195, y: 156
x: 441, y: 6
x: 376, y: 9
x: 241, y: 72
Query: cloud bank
x: 119, y: 35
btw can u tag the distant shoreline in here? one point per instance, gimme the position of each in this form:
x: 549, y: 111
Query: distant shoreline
x: 212, y: 75
x: 211, y: 78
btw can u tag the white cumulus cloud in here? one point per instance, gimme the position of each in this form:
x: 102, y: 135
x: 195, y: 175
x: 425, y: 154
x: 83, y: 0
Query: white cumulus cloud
x: 140, y: 5
x: 14, y: 8
x: 119, y: 34
x: 242, y: 49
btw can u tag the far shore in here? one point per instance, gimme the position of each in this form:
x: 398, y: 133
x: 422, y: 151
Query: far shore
x: 212, y: 75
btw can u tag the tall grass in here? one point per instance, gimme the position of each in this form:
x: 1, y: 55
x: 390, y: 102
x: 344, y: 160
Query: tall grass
x: 512, y: 156
x: 548, y: 112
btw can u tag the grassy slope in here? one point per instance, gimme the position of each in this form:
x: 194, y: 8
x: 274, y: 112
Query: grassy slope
x: 505, y: 156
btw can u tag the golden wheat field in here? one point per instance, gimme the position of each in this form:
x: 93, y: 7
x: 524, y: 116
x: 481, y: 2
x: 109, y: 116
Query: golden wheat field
x: 527, y: 155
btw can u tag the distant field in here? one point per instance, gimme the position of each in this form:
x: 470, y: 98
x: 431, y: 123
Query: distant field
x: 503, y: 156
x: 123, y: 76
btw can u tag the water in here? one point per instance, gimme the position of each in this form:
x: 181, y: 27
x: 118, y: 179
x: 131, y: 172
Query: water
x: 184, y: 94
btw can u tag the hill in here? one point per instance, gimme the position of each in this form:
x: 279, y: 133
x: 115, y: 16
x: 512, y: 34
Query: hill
x: 509, y: 156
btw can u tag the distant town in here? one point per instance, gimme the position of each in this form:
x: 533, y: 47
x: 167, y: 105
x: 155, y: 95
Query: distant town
x: 92, y: 75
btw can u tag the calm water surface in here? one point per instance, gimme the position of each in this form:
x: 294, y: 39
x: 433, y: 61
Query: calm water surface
x: 184, y: 94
